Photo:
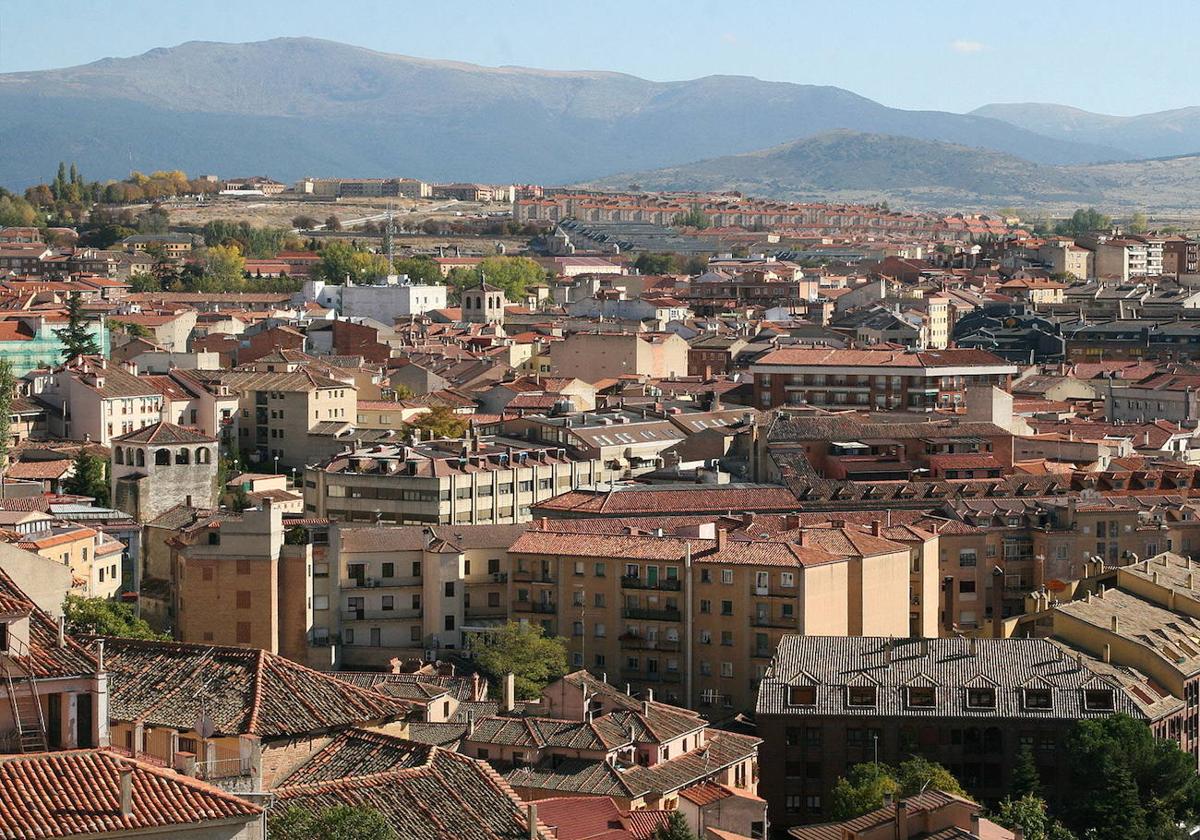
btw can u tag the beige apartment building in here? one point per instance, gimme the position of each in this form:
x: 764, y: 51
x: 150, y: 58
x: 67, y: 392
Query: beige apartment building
x: 696, y: 615
x: 483, y: 481
x: 592, y: 356
x: 98, y: 400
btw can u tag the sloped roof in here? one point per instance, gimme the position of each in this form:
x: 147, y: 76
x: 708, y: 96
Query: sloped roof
x: 45, y: 658
x: 165, y: 433
x: 243, y: 690
x: 77, y: 793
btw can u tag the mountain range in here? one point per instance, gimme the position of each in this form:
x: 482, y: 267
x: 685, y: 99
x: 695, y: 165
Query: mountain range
x: 295, y: 107
x: 864, y: 167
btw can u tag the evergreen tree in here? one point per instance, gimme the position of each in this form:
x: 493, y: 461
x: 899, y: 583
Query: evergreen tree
x: 7, y: 384
x: 1026, y: 781
x: 76, y: 336
x: 101, y: 617
x: 675, y: 828
x: 88, y: 477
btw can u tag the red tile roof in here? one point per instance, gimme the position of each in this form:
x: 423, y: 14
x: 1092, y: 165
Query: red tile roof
x: 71, y: 794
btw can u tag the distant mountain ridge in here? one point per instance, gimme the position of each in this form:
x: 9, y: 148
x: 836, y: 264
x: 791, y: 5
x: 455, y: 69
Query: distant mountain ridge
x: 291, y: 107
x: 1155, y: 135
x: 857, y: 166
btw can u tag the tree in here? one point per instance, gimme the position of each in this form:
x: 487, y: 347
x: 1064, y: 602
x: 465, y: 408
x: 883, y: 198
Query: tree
x: 7, y: 384
x: 76, y: 337
x: 439, y: 422
x: 1124, y: 782
x: 332, y: 222
x: 1138, y: 223
x: 88, y: 477
x: 341, y: 822
x: 534, y: 659
x: 512, y: 274
x: 863, y: 788
x: 337, y: 263
x: 16, y: 211
x: 1029, y: 814
x: 1026, y: 781
x: 224, y: 268
x: 155, y: 220
x: 420, y: 270
x: 693, y: 218
x: 647, y: 263
x: 101, y: 617
x: 1082, y: 221
x: 303, y: 222
x: 675, y: 828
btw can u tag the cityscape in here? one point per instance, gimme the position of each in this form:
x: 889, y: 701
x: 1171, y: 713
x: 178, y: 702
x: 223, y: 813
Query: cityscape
x: 467, y: 441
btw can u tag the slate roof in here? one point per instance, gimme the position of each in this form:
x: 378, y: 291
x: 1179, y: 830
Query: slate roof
x: 243, y: 690
x: 77, y: 793
x: 449, y: 797
x: 834, y: 663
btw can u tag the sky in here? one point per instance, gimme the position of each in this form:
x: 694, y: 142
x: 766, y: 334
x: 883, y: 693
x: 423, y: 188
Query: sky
x: 1100, y: 55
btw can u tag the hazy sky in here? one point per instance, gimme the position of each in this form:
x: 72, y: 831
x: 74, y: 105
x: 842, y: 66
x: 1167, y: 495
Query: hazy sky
x: 1101, y: 55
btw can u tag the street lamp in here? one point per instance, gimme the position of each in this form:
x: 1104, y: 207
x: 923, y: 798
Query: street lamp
x: 276, y: 465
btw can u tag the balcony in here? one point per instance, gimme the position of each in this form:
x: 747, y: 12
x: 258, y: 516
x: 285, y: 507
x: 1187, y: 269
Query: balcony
x: 760, y: 653
x: 631, y: 642
x: 772, y: 592
x: 645, y: 614
x: 661, y: 585
x: 768, y: 621
x: 534, y: 607
x: 381, y: 615
x: 379, y: 583
x: 526, y: 576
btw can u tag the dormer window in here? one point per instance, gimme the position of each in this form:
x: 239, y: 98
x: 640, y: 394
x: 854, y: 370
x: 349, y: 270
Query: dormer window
x: 1038, y: 699
x: 922, y: 697
x: 981, y: 698
x: 802, y: 695
x: 860, y: 696
x: 1098, y: 699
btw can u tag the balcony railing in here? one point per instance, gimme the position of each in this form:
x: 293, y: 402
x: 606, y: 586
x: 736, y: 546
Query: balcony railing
x: 644, y: 614
x: 631, y: 642
x: 526, y: 576
x: 662, y: 584
x: 380, y: 615
x: 534, y: 606
x: 768, y: 621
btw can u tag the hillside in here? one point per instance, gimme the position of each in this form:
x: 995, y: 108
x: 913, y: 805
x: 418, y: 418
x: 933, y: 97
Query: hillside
x: 291, y: 107
x: 853, y: 166
x: 1159, y: 134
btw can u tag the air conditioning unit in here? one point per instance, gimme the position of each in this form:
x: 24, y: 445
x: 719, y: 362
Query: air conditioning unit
x: 372, y: 582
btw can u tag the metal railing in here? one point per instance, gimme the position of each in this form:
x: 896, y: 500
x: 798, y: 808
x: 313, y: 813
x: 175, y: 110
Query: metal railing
x: 662, y: 584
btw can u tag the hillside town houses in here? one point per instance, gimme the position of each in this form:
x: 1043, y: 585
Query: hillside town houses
x: 833, y: 484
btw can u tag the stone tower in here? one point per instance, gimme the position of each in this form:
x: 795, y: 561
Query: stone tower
x: 483, y: 304
x: 160, y: 466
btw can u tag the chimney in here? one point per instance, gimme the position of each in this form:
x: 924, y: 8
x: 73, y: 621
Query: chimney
x: 508, y: 700
x: 876, y: 528
x: 533, y: 820
x: 924, y: 646
x: 1107, y: 652
x: 802, y: 540
x: 997, y: 603
x: 948, y: 585
x: 62, y: 631
x: 791, y: 521
x: 971, y: 646
x: 650, y: 695
x: 887, y: 652
x: 975, y: 824
x: 722, y: 539
x: 470, y: 722
x: 901, y: 820
x: 1116, y: 624
x: 126, y: 791
x: 1039, y: 571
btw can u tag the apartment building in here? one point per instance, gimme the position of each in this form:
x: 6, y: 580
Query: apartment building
x: 627, y: 443
x: 410, y: 590
x: 1181, y: 255
x: 1122, y: 257
x: 876, y: 379
x: 696, y: 613
x: 972, y: 705
x: 277, y: 409
x: 93, y: 399
x: 486, y: 481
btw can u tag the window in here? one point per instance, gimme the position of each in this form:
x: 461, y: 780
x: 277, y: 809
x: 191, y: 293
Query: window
x: 727, y: 576
x: 599, y: 570
x: 579, y: 568
x: 727, y: 638
x: 705, y: 605
x: 600, y: 630
x: 726, y: 669
x: 243, y: 599
x: 727, y: 608
x: 493, y: 599
x: 706, y: 637
x: 793, y: 803
x: 922, y: 697
x: 862, y: 696
x: 705, y: 576
x: 787, y: 580
x: 802, y: 695
x: 449, y: 589
x: 448, y: 623
x: 598, y: 599
x: 1038, y: 699
x: 243, y: 632
x: 389, y: 603
x: 1098, y: 699
x: 243, y: 566
x: 320, y: 602
x: 389, y: 570
x: 416, y: 568
x: 214, y: 537
x: 967, y: 558
x: 981, y: 698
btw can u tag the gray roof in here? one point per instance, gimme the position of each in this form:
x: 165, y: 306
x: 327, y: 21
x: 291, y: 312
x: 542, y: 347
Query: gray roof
x: 833, y: 664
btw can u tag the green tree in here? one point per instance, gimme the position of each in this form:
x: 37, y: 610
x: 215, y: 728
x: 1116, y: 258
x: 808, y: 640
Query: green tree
x: 332, y: 222
x: 101, y: 617
x: 1138, y: 223
x: 224, y: 268
x: 693, y: 218
x: 1082, y: 221
x: 16, y: 211
x: 1029, y: 813
x: 439, y: 422
x: 303, y: 222
x: 675, y: 828
x: 88, y: 477
x: 76, y: 337
x: 1125, y: 783
x: 861, y: 790
x: 918, y: 773
x: 512, y: 274
x: 421, y: 270
x: 341, y: 822
x: 1026, y: 781
x: 155, y: 220
x: 534, y: 659
x: 647, y: 263
x: 337, y: 262
x: 7, y: 385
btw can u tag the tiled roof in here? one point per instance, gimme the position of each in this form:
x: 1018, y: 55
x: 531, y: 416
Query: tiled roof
x: 822, y: 357
x: 45, y: 658
x: 643, y: 824
x: 448, y: 797
x: 38, y: 469
x: 929, y: 800
x: 584, y: 818
x: 832, y: 663
x: 358, y: 752
x: 243, y: 690
x: 165, y: 433
x: 78, y: 793
x: 631, y: 501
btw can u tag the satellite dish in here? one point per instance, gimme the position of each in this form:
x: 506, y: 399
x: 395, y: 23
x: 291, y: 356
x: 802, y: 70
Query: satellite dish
x: 205, y: 727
